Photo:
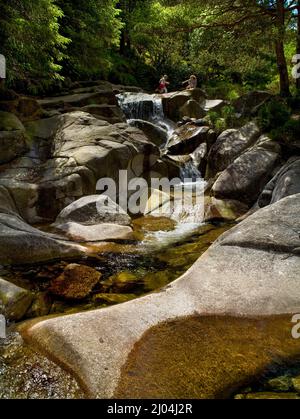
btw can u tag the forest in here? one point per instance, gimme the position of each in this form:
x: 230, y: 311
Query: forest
x: 232, y: 46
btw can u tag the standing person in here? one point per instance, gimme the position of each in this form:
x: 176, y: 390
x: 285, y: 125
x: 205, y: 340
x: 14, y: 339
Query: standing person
x: 192, y: 82
x: 163, y: 85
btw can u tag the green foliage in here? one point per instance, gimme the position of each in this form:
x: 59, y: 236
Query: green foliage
x: 224, y: 119
x: 228, y: 45
x: 94, y: 29
x: 224, y: 89
x: 31, y: 42
x: 229, y: 115
x: 287, y: 133
x: 273, y: 114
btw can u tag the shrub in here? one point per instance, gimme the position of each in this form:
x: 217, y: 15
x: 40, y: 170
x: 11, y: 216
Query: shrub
x: 273, y: 115
x: 224, y: 119
x: 287, y: 133
x: 229, y: 115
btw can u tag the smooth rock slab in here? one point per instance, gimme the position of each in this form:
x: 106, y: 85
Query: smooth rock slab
x: 94, y: 209
x: 285, y: 183
x: 95, y: 233
x: 22, y: 244
x: 231, y: 278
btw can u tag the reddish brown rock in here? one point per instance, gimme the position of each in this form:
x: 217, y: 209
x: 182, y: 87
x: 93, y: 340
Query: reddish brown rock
x: 76, y: 282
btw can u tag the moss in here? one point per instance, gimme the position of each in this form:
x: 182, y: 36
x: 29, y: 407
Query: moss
x: 9, y: 122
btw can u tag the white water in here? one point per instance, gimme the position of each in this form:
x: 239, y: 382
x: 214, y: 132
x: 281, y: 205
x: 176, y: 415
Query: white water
x: 189, y: 217
x: 163, y: 239
x: 147, y: 108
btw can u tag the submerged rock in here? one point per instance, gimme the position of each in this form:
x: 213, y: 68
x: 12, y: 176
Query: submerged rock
x: 40, y: 307
x: 268, y: 396
x: 296, y: 384
x: 123, y: 282
x: 76, y: 282
x: 218, y: 209
x: 112, y: 299
x: 279, y: 384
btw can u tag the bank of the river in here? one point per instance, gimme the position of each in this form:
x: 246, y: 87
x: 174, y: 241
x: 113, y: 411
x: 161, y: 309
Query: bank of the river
x: 162, y: 254
x: 99, y: 281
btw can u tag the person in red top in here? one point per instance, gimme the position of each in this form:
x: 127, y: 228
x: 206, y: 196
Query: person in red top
x: 163, y: 85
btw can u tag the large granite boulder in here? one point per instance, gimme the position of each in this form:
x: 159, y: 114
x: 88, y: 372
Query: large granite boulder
x: 109, y: 113
x: 94, y: 209
x: 245, y: 178
x: 252, y: 270
x: 172, y: 103
x: 22, y: 244
x: 188, y: 137
x: 104, y: 97
x: 69, y: 154
x: 250, y: 103
x: 95, y: 233
x: 191, y: 109
x: 285, y: 183
x: 12, y: 137
x: 153, y: 132
x: 25, y: 108
x: 229, y: 145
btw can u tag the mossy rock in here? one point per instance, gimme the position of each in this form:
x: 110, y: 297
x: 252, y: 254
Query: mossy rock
x: 14, y: 301
x: 10, y: 122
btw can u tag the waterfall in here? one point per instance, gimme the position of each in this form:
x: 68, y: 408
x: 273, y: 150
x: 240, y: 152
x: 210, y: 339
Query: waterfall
x: 188, y: 214
x: 145, y: 107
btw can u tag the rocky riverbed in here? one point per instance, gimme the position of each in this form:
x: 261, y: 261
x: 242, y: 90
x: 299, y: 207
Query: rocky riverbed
x: 208, y: 281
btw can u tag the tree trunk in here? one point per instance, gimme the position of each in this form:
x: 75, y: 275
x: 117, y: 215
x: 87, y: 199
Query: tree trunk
x: 280, y: 54
x: 283, y: 70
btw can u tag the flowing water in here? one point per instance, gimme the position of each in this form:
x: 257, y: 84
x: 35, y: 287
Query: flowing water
x: 145, y: 107
x: 163, y: 249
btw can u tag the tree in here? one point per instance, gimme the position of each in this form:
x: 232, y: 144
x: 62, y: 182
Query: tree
x: 94, y: 29
x: 31, y: 42
x: 269, y: 18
